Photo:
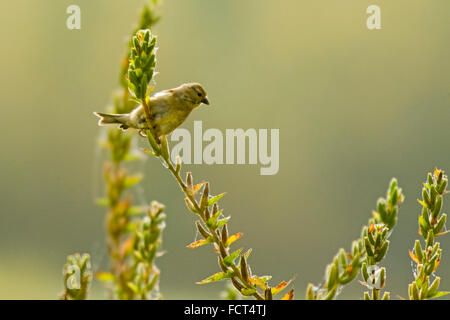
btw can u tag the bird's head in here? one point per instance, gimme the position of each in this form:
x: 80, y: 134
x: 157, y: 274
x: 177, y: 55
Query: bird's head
x: 194, y: 94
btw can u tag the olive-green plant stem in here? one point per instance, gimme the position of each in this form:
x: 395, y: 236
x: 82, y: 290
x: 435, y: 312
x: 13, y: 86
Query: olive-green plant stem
x: 117, y: 177
x: 213, y: 229
x: 368, y: 250
x: 431, y: 226
x: 237, y: 277
x: 77, y: 277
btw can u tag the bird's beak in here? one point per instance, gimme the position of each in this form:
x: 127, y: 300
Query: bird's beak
x: 205, y: 100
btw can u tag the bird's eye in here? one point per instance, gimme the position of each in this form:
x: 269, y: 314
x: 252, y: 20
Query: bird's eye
x: 199, y: 94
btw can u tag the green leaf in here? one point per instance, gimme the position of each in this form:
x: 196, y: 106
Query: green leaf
x: 364, y: 272
x: 133, y: 287
x: 265, y: 278
x: 131, y: 226
x: 248, y: 291
x: 342, y: 258
x: 247, y: 254
x: 102, y: 202
x: 381, y: 208
x: 217, y: 277
x: 439, y: 294
x: 134, y: 210
x: 440, y: 224
x: 422, y: 203
x: 229, y: 260
x: 394, y: 197
x: 442, y: 186
x: 164, y: 147
x: 132, y: 180
x: 430, y: 178
x: 332, y: 277
x: 418, y: 251
x: 105, y: 276
x: 352, y: 272
x: 422, y: 226
x: 212, y: 221
x: 132, y: 157
x: 221, y: 222
x: 434, y: 287
x: 368, y: 247
x: 153, y: 282
x: 214, y: 199
x: 380, y: 254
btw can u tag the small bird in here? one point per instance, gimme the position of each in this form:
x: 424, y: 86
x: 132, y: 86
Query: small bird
x: 168, y: 110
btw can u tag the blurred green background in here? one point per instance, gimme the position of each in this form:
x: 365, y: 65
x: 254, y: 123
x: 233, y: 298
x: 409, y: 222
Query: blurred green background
x: 354, y: 108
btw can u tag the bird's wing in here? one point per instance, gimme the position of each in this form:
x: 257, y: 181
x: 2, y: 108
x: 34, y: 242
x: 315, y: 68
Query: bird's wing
x: 160, y: 103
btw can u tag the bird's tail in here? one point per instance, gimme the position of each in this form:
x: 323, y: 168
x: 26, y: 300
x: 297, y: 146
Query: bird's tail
x: 106, y: 119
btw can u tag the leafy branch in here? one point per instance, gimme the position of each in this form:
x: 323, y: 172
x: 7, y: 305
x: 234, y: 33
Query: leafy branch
x: 366, y: 252
x: 118, y: 181
x: 431, y: 226
x: 146, y: 247
x: 211, y: 224
x: 77, y: 277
